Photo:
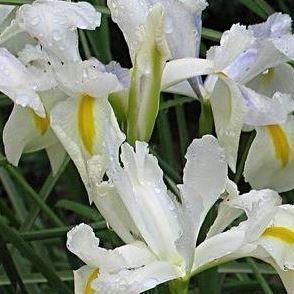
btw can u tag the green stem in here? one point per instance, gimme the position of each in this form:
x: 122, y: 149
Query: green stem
x: 243, y: 158
x: 206, y: 119
x: 179, y: 286
x: 263, y: 283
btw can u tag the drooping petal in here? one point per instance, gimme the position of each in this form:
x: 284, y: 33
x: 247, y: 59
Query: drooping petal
x: 134, y: 281
x: 259, y: 207
x: 55, y: 23
x: 17, y: 83
x: 179, y: 70
x: 205, y: 161
x: 278, y: 79
x: 219, y: 246
x: 81, y: 124
x: 278, y: 238
x: 270, y: 162
x: 88, y: 77
x: 82, y: 242
x: 24, y: 132
x: 229, y: 112
x: 263, y: 110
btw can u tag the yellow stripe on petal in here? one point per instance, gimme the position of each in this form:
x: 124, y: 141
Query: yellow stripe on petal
x: 86, y: 122
x: 94, y: 275
x: 281, y: 144
x: 284, y: 234
x: 41, y: 123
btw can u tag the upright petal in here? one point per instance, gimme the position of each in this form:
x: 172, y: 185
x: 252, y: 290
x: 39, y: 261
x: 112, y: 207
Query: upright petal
x: 141, y: 187
x: 205, y: 176
x: 183, y: 25
x: 115, y: 213
x: 275, y: 26
x: 148, y: 65
x: 270, y: 162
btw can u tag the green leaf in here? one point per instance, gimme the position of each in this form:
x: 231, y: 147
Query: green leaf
x: 12, y: 236
x: 263, y: 283
x: 80, y: 209
x: 11, y: 269
x: 211, y: 34
x: 13, y: 195
x: 44, y: 194
x: 34, y: 195
x: 255, y: 7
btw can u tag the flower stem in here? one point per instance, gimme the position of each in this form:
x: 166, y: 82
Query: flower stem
x: 179, y: 286
x: 206, y: 118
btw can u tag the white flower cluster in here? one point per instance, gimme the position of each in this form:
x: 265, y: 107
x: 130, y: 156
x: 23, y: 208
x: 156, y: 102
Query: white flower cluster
x: 64, y: 104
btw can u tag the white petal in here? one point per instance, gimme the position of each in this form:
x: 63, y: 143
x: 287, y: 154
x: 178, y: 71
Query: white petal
x: 81, y: 124
x: 144, y: 193
x: 205, y: 176
x: 55, y: 23
x: 264, y: 55
x: 226, y: 214
x: 270, y: 162
x: 82, y: 242
x: 130, y: 15
x: 178, y: 70
x: 285, y: 45
x: 218, y: 246
x: 134, y: 281
x: 182, y: 88
x: 278, y: 79
x: 229, y: 112
x: 86, y: 77
x: 26, y: 132
x: 259, y: 207
x: 278, y: 238
x: 183, y: 25
x: 276, y: 25
x: 233, y: 43
x: 56, y: 154
x: 114, y: 212
x: 263, y: 110
x: 17, y: 83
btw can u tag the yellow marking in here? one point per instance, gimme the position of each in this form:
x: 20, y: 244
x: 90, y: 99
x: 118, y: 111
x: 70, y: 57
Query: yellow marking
x: 284, y: 234
x: 41, y: 123
x: 280, y: 141
x: 94, y: 275
x: 268, y: 77
x: 86, y: 122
